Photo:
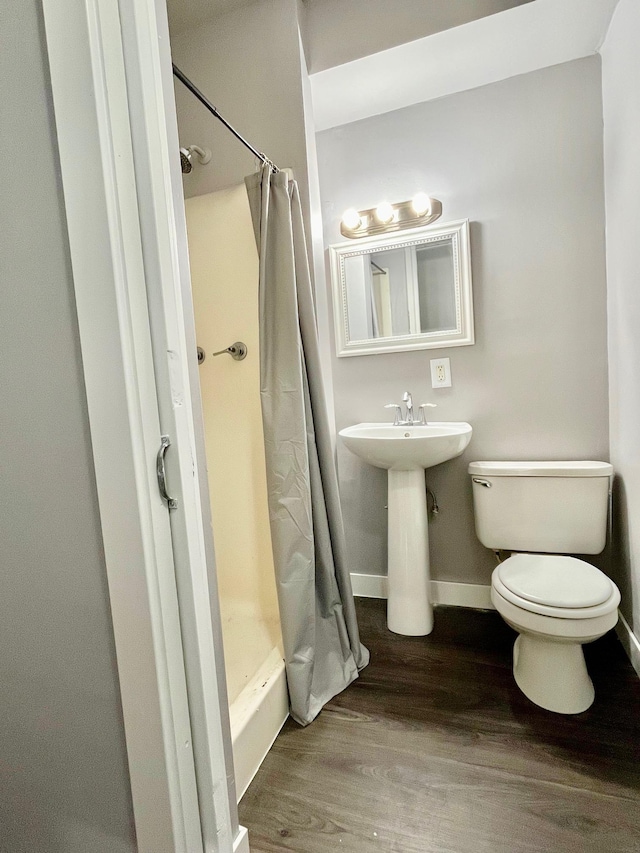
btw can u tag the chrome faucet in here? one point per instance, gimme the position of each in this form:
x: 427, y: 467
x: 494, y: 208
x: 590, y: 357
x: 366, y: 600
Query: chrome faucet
x: 409, y: 418
x: 407, y: 399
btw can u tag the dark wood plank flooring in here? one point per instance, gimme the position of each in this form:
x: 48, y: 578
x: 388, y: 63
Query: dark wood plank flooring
x: 434, y: 748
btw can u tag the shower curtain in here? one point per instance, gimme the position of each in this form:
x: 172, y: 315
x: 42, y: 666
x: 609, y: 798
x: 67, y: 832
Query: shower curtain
x: 322, y: 646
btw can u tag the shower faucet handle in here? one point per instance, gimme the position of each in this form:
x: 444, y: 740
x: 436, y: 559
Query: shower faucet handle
x: 237, y: 351
x: 422, y: 418
x: 398, y: 413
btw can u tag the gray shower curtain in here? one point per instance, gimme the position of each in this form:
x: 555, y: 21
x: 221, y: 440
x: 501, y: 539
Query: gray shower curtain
x: 322, y: 646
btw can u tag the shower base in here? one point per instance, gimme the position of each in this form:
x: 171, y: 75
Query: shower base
x: 257, y: 715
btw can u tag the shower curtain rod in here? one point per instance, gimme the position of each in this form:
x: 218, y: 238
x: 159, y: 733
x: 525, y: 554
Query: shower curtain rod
x: 198, y: 94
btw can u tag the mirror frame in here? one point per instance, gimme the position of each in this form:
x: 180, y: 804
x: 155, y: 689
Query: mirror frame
x: 462, y: 335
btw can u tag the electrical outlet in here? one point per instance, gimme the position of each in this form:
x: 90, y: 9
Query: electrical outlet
x: 440, y: 373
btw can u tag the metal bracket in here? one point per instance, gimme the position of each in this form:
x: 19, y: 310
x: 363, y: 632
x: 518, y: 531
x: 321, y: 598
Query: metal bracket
x: 165, y: 444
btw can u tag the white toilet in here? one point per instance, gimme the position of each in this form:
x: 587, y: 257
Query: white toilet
x: 555, y: 603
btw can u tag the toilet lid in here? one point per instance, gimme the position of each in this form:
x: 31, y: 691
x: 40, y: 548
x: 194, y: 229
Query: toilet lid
x: 555, y: 581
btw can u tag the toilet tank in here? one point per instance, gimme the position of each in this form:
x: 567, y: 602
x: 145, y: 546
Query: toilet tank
x: 554, y: 507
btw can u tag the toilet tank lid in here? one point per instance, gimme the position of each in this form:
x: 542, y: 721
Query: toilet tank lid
x: 541, y: 469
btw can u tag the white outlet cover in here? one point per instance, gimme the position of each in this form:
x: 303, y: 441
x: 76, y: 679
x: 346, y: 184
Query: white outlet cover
x: 440, y: 373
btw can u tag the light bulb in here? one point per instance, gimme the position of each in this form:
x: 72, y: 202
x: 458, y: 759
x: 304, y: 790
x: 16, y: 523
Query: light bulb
x: 351, y: 219
x: 384, y: 212
x: 421, y: 204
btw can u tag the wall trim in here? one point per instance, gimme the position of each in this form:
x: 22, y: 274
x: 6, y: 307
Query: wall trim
x: 451, y: 593
x: 475, y: 595
x: 478, y: 597
x: 369, y: 586
x: 629, y: 641
x: 241, y: 844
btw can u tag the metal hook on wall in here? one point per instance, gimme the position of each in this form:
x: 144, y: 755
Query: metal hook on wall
x: 237, y: 351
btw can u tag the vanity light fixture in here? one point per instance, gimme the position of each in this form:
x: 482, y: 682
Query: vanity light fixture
x: 386, y: 217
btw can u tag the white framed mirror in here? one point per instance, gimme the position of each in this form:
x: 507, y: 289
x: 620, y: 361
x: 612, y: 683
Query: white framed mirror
x: 403, y: 291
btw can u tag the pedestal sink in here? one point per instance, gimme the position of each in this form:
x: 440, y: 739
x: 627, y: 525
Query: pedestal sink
x: 405, y: 451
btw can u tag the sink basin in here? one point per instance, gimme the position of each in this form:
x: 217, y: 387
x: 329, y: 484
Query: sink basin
x: 406, y: 448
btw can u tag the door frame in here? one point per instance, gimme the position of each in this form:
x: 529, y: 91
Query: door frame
x: 110, y: 70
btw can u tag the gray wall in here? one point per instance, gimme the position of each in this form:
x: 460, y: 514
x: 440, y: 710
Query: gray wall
x: 621, y: 96
x: 248, y: 63
x: 63, y: 775
x: 522, y: 160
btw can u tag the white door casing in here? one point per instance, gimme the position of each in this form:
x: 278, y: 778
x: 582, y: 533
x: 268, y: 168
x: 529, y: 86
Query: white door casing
x: 128, y: 254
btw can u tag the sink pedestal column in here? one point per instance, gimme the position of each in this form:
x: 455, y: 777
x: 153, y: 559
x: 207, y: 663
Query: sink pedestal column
x: 409, y: 609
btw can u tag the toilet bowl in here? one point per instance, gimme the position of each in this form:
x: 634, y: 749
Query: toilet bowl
x: 556, y: 604
x: 545, y: 511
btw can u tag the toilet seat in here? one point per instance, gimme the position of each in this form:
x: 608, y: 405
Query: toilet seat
x: 558, y: 581
x: 554, y: 585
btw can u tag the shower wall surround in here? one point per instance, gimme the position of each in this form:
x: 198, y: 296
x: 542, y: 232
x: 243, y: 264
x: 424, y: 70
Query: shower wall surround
x: 522, y: 160
x: 224, y: 272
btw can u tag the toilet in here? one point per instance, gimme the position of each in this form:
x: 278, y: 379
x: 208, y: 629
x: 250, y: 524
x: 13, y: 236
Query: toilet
x: 543, y: 513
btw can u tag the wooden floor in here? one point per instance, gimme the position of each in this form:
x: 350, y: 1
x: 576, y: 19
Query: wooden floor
x: 434, y: 748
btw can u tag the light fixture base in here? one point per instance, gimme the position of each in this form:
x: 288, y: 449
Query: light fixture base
x: 404, y: 217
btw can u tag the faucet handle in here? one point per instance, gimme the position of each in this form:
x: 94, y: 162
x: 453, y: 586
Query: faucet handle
x: 398, y: 412
x: 422, y: 408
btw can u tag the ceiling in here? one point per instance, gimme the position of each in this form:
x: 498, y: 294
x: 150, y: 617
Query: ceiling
x: 357, y: 19
x: 517, y: 41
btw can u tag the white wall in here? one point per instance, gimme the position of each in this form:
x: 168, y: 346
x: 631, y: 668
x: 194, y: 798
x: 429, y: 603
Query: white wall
x: 621, y: 103
x: 63, y: 769
x: 522, y: 159
x: 224, y: 278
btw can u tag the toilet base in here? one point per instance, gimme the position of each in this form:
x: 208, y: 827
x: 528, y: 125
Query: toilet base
x: 552, y: 674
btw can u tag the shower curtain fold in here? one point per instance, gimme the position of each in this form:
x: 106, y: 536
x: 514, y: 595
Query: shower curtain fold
x: 323, y: 653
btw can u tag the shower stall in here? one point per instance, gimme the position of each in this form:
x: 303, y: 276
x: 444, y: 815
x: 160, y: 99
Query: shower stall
x: 224, y: 279
x: 224, y: 274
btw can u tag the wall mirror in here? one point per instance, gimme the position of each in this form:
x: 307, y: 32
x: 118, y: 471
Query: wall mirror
x: 403, y: 291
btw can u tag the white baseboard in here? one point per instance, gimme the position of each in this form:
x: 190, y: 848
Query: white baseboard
x: 477, y: 596
x: 257, y: 715
x: 629, y: 641
x: 241, y: 843
x: 369, y: 586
